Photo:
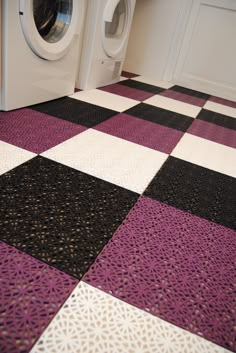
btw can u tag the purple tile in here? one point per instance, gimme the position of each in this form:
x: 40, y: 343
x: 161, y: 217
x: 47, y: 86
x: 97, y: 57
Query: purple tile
x: 128, y: 74
x: 31, y: 293
x: 35, y: 131
x: 174, y: 265
x: 128, y: 92
x: 213, y: 132
x: 223, y: 101
x: 183, y: 97
x: 145, y: 133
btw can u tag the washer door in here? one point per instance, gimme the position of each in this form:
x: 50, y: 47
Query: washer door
x: 116, y: 26
x: 49, y: 26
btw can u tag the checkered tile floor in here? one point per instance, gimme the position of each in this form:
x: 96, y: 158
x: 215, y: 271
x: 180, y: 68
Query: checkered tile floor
x: 117, y: 222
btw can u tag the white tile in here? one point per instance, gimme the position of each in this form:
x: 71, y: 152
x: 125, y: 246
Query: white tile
x: 220, y: 108
x: 105, y: 99
x: 92, y: 321
x: 122, y: 78
x: 110, y: 158
x: 207, y: 154
x: 151, y: 81
x: 12, y: 156
x: 174, y: 105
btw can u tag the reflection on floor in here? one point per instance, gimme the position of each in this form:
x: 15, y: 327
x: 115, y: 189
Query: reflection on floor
x: 117, y: 222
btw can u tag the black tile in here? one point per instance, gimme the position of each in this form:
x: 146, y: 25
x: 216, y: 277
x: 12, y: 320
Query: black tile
x: 142, y: 86
x: 161, y: 116
x: 190, y: 92
x: 75, y: 111
x: 197, y: 190
x: 60, y: 215
x: 217, y: 118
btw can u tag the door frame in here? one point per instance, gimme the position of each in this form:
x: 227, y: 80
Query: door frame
x: 177, y: 38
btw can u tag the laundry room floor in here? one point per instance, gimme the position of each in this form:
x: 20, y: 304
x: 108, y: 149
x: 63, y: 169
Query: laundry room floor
x: 117, y: 222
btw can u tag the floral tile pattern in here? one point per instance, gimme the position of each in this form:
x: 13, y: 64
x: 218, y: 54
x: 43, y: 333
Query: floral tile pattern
x: 129, y: 189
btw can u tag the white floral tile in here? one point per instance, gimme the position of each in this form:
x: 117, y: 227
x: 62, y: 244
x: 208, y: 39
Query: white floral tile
x: 92, y: 321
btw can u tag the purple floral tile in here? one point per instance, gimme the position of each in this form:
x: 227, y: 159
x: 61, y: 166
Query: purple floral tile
x: 183, y: 97
x: 174, y: 265
x: 31, y: 293
x: 213, y: 132
x: 128, y: 74
x: 145, y: 133
x: 128, y: 92
x: 35, y: 131
x: 223, y: 101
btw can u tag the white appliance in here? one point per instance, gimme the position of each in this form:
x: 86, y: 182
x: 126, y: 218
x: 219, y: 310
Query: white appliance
x: 106, y: 36
x: 40, y: 43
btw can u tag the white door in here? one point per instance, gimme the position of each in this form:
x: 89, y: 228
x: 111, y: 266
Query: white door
x: 117, y: 21
x: 49, y: 26
x: 207, y: 59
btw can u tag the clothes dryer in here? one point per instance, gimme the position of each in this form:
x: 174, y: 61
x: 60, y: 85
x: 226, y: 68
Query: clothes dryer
x: 40, y: 42
x: 107, y: 29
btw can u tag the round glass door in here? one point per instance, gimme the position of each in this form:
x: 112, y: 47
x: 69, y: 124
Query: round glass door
x: 52, y: 18
x: 51, y: 26
x: 116, y: 27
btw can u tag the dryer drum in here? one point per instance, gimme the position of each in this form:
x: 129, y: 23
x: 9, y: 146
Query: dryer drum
x: 52, y: 18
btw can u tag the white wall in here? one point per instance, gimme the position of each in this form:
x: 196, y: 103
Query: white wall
x: 151, y: 36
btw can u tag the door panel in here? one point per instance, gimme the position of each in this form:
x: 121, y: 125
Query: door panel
x: 207, y: 56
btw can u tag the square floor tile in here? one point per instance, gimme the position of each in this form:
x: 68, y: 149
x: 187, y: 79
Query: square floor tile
x: 223, y: 101
x: 174, y: 265
x: 213, y: 132
x: 142, y: 86
x: 35, y: 131
x: 128, y: 92
x: 75, y: 111
x: 145, y: 133
x: 92, y: 321
x: 220, y: 108
x: 161, y: 116
x: 105, y: 99
x: 110, y: 158
x: 150, y: 81
x: 169, y: 93
x: 197, y: 190
x: 217, y: 118
x: 190, y: 92
x: 31, y: 293
x: 128, y: 74
x: 12, y: 156
x: 207, y: 154
x: 59, y: 215
x: 122, y: 78
x: 174, y: 105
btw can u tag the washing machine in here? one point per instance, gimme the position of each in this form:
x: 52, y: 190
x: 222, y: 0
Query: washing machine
x: 106, y: 35
x: 40, y: 43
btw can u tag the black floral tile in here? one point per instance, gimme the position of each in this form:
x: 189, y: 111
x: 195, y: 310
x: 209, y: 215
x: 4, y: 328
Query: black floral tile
x: 59, y: 215
x: 190, y: 92
x: 161, y: 116
x: 197, y: 190
x: 142, y: 86
x: 217, y: 118
x: 75, y: 111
